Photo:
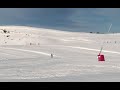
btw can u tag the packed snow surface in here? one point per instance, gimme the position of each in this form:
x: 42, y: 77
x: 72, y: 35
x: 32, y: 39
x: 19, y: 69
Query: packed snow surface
x: 25, y: 55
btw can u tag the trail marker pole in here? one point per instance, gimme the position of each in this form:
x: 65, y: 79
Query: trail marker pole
x: 100, y: 56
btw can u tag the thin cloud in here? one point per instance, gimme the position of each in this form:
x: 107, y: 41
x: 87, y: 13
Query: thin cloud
x: 96, y: 19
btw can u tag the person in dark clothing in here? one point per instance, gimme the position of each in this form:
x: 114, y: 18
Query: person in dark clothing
x: 51, y: 55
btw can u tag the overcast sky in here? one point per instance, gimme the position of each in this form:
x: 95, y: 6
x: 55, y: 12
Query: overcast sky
x: 70, y: 19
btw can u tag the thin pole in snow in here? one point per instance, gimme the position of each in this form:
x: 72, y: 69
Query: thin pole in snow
x: 109, y: 28
x: 102, y: 44
x: 100, y: 50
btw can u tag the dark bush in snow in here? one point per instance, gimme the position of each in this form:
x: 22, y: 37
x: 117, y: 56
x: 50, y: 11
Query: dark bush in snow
x: 5, y: 31
x: 8, y: 36
x: 98, y: 32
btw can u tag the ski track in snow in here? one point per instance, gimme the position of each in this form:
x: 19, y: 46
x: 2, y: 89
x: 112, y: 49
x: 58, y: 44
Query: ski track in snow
x: 47, y: 54
x: 95, y: 49
x: 89, y: 49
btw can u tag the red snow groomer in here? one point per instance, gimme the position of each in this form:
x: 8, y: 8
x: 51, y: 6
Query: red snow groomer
x: 100, y: 56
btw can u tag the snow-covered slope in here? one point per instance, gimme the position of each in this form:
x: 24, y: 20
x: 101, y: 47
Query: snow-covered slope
x: 21, y: 35
x: 25, y: 54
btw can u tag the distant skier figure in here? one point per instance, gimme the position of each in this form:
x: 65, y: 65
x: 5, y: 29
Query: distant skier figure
x: 51, y: 55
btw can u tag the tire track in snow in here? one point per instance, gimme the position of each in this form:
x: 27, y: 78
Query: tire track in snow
x: 47, y: 54
x: 95, y: 49
x: 90, y: 49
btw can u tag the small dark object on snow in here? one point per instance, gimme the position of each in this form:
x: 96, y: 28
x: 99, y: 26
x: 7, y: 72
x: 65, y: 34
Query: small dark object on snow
x: 51, y: 55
